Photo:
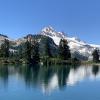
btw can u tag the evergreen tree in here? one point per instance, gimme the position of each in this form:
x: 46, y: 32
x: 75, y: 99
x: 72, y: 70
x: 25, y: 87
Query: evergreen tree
x: 95, y: 55
x: 64, y: 51
x: 4, y: 51
x: 47, y: 48
x: 35, y: 52
x: 27, y: 51
x: 32, y: 52
x: 20, y: 52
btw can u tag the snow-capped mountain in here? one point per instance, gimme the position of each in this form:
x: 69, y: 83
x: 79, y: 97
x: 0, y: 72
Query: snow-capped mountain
x: 76, y: 45
x: 79, y: 48
x: 56, y: 36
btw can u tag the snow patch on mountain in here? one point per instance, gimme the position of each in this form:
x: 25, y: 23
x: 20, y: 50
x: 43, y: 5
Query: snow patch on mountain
x: 76, y: 45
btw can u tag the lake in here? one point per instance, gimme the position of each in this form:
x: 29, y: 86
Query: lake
x: 65, y: 82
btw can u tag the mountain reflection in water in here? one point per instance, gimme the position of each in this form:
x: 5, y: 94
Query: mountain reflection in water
x: 49, y: 78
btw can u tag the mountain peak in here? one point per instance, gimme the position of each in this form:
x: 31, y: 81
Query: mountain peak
x: 51, y: 32
x: 48, y: 29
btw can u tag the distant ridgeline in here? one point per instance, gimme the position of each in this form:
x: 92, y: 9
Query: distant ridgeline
x: 4, y: 35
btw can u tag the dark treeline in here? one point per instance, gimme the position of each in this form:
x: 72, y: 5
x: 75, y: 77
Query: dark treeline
x: 29, y: 52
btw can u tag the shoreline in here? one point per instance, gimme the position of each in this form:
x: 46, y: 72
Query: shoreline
x: 47, y: 62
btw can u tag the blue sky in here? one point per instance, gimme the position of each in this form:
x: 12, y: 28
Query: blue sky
x: 80, y: 18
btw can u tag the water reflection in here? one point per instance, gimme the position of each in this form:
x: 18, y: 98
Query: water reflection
x: 4, y: 74
x: 95, y: 69
x: 50, y: 78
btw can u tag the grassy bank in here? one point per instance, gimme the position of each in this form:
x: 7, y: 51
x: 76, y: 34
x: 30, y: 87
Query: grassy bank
x: 10, y: 61
x: 90, y: 63
x: 57, y: 61
x: 47, y: 61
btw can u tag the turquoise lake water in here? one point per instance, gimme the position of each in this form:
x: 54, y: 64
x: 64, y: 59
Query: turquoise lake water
x: 49, y: 83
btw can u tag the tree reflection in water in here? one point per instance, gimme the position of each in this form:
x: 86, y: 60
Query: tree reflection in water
x: 4, y: 72
x: 49, y: 78
x: 95, y: 69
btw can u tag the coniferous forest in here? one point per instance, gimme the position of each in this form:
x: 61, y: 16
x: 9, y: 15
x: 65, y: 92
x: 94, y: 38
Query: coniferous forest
x: 38, y: 49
